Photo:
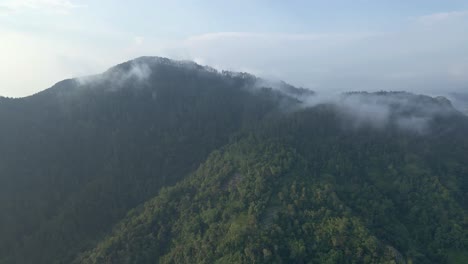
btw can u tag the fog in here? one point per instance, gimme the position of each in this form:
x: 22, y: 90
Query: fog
x: 116, y: 77
x: 405, y: 110
x: 409, y: 111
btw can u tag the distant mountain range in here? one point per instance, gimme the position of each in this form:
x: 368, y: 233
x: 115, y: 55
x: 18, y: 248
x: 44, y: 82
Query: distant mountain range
x: 163, y: 161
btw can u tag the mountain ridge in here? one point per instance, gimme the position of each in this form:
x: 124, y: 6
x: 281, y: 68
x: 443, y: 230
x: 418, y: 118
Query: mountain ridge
x: 79, y: 156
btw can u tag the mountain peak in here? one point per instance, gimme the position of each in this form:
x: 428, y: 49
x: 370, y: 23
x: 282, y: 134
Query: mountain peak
x: 155, y: 61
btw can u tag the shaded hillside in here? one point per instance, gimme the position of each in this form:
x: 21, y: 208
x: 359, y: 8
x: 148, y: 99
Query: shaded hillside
x: 304, y: 189
x: 76, y: 157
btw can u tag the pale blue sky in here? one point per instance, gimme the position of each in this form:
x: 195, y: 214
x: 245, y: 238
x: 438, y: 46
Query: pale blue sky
x: 419, y: 45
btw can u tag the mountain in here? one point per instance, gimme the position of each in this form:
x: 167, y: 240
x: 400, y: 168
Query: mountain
x: 78, y: 156
x: 162, y: 161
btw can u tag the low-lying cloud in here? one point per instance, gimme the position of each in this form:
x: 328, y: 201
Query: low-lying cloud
x: 117, y: 77
x: 406, y: 111
x: 378, y: 110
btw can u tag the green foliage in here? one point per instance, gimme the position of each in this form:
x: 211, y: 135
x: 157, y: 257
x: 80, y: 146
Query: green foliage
x: 193, y: 166
x: 76, y: 158
x: 356, y: 211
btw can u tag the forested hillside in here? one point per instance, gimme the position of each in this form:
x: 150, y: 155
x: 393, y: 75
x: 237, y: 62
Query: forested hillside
x: 160, y: 161
x: 76, y: 157
x: 305, y: 190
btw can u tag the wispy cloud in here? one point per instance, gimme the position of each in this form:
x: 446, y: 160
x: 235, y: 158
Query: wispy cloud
x: 412, y: 59
x: 282, y: 36
x: 43, y: 6
x: 440, y: 17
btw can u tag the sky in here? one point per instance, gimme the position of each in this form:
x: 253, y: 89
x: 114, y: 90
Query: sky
x: 332, y: 45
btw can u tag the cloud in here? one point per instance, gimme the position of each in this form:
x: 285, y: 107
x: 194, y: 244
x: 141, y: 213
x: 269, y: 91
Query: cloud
x: 119, y: 76
x: 440, y: 17
x: 279, y: 36
x: 42, y: 6
x: 406, y: 111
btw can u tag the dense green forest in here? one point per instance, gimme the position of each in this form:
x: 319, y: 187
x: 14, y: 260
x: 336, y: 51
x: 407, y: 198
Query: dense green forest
x: 160, y: 161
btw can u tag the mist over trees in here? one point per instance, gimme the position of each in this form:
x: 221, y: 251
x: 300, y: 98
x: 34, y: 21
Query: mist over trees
x: 162, y: 161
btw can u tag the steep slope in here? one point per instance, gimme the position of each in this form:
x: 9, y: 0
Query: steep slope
x: 76, y: 157
x: 308, y: 188
x: 242, y: 205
